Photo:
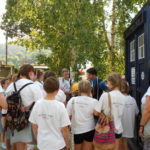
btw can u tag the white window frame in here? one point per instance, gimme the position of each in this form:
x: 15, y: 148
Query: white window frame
x: 132, y: 51
x: 133, y: 79
x: 141, y: 47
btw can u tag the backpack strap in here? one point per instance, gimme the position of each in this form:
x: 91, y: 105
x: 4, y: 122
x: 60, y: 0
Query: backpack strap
x: 15, y: 87
x: 23, y: 87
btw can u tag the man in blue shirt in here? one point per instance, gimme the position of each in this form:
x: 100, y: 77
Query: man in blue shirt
x: 98, y: 85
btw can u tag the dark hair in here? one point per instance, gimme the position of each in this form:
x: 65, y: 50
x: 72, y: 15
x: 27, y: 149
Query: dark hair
x: 115, y: 80
x: 39, y: 73
x: 51, y: 85
x: 92, y: 71
x: 49, y: 74
x: 3, y: 81
x: 85, y: 87
x: 24, y: 71
x: 125, y: 88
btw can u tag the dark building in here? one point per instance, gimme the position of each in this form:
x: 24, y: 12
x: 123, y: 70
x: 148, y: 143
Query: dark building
x: 137, y: 53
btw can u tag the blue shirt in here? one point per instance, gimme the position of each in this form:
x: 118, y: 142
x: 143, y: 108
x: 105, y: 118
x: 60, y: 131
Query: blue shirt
x: 102, y: 84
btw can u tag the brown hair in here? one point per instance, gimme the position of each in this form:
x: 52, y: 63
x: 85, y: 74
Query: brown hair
x: 84, y: 87
x: 115, y: 80
x: 39, y: 73
x: 49, y: 74
x: 24, y: 70
x: 125, y: 87
x: 51, y: 85
x: 14, y: 78
x: 3, y: 81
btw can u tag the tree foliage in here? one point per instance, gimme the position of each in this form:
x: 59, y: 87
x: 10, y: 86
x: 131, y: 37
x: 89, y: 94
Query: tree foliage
x: 73, y: 31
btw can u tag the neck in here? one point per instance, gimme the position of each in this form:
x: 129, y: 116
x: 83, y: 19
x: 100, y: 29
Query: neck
x: 50, y: 96
x: 116, y: 89
x: 23, y: 77
x: 84, y: 94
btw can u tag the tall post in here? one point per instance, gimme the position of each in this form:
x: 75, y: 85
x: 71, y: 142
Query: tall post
x: 6, y: 47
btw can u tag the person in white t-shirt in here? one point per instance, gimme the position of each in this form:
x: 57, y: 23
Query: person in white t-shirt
x: 83, y: 118
x: 65, y: 83
x: 144, y: 130
x: 117, y: 100
x: 128, y: 119
x: 30, y: 94
x: 60, y: 95
x: 50, y: 120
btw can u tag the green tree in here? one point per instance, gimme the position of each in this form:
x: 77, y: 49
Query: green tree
x: 73, y: 31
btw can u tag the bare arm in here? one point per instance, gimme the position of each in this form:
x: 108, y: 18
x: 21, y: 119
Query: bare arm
x: 145, y: 115
x: 146, y: 112
x: 65, y: 133
x: 96, y: 113
x: 3, y: 102
x: 35, y: 129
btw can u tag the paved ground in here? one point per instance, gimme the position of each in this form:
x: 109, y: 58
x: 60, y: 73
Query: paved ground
x: 133, y: 145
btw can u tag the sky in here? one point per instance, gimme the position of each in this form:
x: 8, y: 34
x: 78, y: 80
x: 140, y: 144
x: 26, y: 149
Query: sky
x: 2, y: 11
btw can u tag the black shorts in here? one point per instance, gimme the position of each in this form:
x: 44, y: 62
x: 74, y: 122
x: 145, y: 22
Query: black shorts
x: 118, y: 136
x: 88, y: 136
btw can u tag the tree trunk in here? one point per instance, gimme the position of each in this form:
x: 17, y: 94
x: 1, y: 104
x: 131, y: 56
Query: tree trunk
x: 113, y: 32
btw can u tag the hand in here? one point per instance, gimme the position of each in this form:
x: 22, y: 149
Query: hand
x: 141, y: 132
x: 67, y: 147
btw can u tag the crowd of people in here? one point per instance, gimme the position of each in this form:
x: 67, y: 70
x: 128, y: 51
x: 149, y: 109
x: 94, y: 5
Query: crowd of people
x: 48, y: 109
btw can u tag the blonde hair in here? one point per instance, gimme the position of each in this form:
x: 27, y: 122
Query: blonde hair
x: 115, y: 80
x: 85, y: 87
x: 65, y: 70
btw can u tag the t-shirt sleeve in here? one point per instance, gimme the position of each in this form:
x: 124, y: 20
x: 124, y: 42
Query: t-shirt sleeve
x: 136, y: 107
x: 148, y: 92
x: 37, y: 93
x: 64, y: 119
x: 69, y: 107
x: 33, y: 115
x: 99, y: 105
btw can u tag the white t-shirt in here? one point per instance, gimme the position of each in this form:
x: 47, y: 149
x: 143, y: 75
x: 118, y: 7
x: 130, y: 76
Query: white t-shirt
x: 144, y: 97
x: 61, y: 96
x: 39, y: 84
x: 50, y: 116
x: 83, y: 118
x: 118, y: 102
x: 29, y: 94
x: 128, y: 118
x: 147, y: 125
x: 64, y: 85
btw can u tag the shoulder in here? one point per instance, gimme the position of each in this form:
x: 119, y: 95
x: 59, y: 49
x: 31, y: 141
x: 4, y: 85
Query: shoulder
x: 148, y: 91
x: 39, y: 103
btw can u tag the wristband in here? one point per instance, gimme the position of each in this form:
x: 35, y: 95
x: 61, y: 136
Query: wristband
x: 141, y: 126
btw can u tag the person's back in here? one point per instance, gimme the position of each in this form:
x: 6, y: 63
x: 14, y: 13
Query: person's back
x: 50, y: 120
x: 117, y: 101
x: 83, y: 108
x: 84, y: 118
x: 128, y: 118
x: 49, y: 117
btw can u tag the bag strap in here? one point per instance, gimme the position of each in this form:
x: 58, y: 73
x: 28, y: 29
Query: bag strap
x: 110, y: 106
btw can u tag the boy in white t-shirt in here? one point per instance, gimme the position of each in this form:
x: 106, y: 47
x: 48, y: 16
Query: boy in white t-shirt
x: 50, y: 120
